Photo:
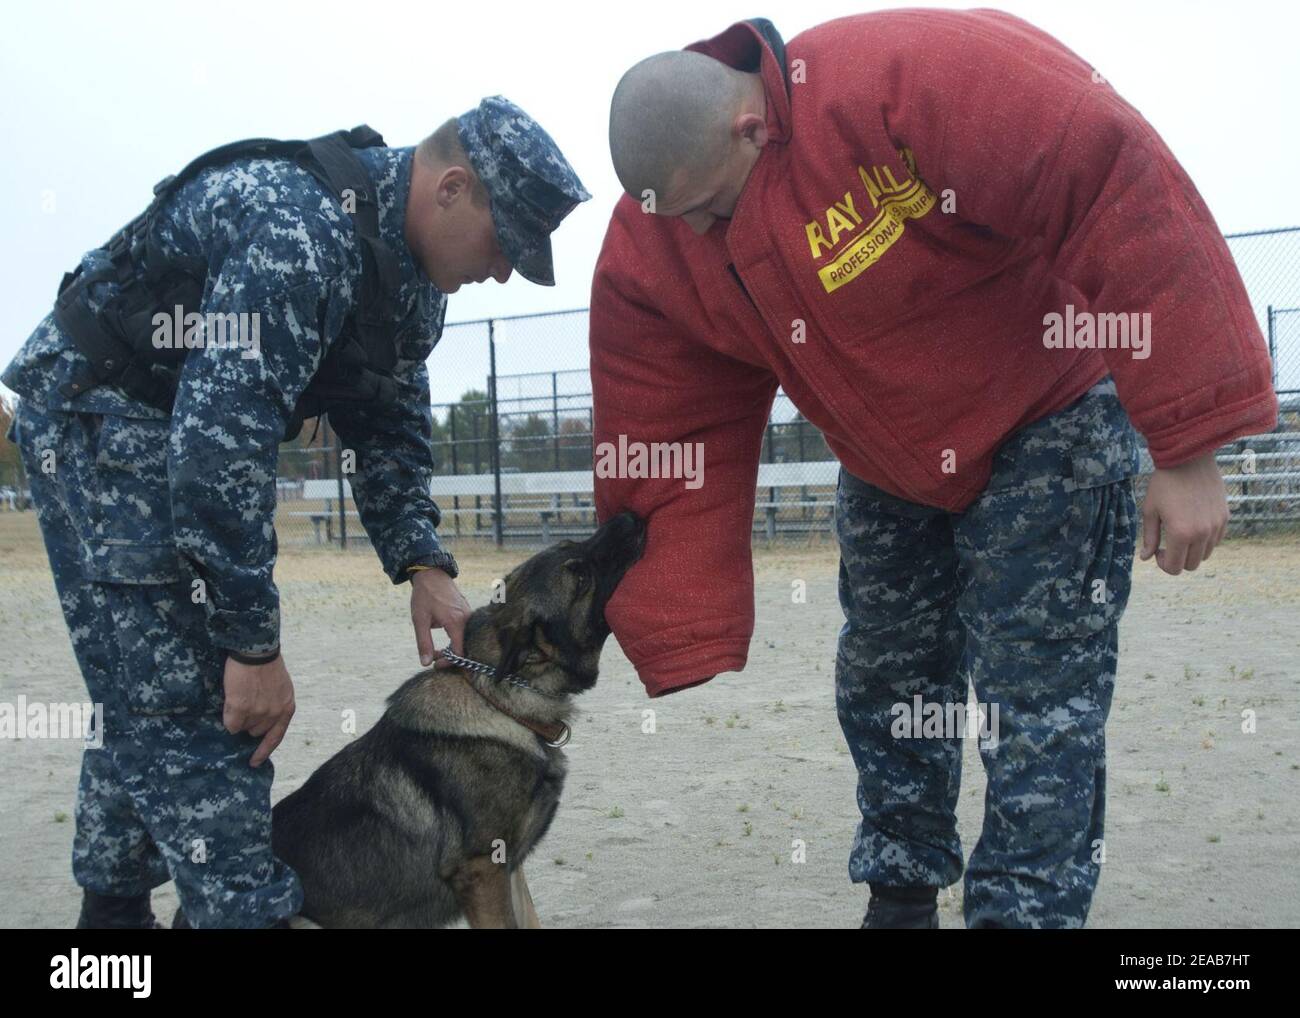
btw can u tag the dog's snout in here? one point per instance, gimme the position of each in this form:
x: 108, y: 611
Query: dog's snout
x: 630, y: 522
x: 620, y: 540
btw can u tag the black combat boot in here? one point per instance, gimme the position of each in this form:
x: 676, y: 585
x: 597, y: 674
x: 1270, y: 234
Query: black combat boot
x: 109, y: 912
x: 902, y: 908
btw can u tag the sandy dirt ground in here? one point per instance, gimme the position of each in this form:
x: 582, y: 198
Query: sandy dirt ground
x: 695, y: 824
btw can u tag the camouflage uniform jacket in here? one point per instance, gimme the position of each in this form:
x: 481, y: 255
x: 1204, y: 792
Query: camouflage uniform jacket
x: 276, y: 244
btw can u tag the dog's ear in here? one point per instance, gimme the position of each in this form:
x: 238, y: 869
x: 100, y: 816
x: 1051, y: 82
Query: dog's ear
x: 578, y: 568
x: 516, y: 643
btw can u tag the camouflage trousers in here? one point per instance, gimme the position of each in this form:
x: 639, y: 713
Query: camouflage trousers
x: 170, y: 793
x: 1018, y: 597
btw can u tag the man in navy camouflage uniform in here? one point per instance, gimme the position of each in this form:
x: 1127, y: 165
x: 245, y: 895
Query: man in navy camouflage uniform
x: 159, y: 525
x: 985, y: 509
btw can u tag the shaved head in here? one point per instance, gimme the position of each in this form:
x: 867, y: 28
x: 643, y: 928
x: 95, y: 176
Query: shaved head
x: 672, y: 114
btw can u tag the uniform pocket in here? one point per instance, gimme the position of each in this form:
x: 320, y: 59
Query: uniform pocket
x: 131, y: 539
x: 167, y: 663
x: 1050, y: 560
x: 1103, y: 528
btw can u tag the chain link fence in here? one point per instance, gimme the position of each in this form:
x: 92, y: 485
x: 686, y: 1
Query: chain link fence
x: 1263, y: 471
x: 512, y: 427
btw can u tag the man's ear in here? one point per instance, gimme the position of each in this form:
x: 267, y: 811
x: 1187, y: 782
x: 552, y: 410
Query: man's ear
x: 753, y: 128
x: 453, y: 184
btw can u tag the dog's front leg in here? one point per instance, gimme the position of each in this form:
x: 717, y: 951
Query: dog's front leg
x: 483, y: 891
x: 522, y: 902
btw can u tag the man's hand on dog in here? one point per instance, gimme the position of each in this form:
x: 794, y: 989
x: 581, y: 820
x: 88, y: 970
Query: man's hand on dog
x: 437, y: 603
x: 1188, y: 504
x: 259, y: 701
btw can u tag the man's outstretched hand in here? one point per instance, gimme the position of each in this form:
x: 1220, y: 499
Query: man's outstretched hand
x: 1188, y: 506
x: 437, y: 603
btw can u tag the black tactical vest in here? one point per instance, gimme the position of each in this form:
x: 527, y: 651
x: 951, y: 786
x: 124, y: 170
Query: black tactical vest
x: 117, y: 339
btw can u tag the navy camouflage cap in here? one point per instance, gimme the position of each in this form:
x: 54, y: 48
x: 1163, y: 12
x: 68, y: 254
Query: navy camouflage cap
x: 530, y: 185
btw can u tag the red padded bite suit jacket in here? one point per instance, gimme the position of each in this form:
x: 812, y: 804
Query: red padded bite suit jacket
x: 935, y: 186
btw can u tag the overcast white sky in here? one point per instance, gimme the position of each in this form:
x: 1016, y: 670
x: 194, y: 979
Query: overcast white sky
x: 104, y: 99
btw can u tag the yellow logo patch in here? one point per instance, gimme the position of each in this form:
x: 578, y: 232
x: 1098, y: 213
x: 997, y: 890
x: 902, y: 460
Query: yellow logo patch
x: 893, y: 202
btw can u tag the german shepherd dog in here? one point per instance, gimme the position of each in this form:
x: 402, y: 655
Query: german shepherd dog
x: 430, y: 814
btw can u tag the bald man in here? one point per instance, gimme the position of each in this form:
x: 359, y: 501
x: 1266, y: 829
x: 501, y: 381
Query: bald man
x: 971, y: 265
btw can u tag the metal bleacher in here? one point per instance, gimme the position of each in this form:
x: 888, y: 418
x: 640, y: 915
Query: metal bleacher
x: 1262, y: 474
